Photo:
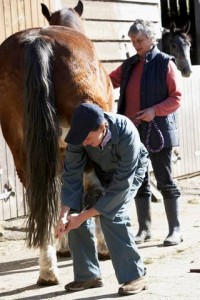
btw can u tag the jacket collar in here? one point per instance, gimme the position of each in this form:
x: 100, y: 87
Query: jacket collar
x: 151, y: 54
x: 148, y: 57
x: 112, y: 127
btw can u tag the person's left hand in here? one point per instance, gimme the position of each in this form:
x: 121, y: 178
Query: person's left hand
x: 146, y: 115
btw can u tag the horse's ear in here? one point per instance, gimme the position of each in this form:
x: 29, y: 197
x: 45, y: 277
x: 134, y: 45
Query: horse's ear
x: 45, y: 11
x: 79, y: 8
x: 186, y: 27
x: 164, y: 30
x: 172, y: 26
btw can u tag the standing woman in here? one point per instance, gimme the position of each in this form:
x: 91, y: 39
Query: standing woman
x: 150, y: 94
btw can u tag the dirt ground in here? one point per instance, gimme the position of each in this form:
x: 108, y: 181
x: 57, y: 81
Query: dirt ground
x: 168, y: 268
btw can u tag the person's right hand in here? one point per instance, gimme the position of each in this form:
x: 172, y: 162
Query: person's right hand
x: 62, y: 222
x: 147, y: 114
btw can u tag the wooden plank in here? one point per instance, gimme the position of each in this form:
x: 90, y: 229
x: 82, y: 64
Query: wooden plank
x: 13, y: 206
x: 116, y: 10
x: 110, y: 31
x: 2, y: 174
x: 53, y: 5
x: 28, y: 14
x: 41, y: 19
x: 72, y: 3
x: 111, y: 51
x: 9, y: 181
x: 14, y: 16
x: 110, y: 66
x: 2, y: 23
x: 7, y: 18
x: 6, y: 207
x: 121, y: 11
x: 189, y: 149
x: 21, y: 14
x: 140, y: 1
x: 34, y: 13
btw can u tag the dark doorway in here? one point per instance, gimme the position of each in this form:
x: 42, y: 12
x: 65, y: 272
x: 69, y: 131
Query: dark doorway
x: 180, y: 11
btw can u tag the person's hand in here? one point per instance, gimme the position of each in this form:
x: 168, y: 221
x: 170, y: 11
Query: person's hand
x: 74, y: 221
x: 61, y: 227
x: 146, y: 115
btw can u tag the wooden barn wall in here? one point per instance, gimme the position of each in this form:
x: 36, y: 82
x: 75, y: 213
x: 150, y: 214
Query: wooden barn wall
x: 187, y: 156
x: 12, y: 202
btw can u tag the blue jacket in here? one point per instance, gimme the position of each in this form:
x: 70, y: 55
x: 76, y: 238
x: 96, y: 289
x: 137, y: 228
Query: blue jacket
x: 119, y: 166
x: 153, y: 90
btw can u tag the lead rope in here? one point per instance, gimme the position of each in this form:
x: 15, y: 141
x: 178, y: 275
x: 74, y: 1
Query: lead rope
x: 160, y: 135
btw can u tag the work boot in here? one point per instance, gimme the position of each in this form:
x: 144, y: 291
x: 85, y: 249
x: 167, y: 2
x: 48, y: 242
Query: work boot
x: 76, y: 286
x: 134, y: 287
x: 172, y: 211
x: 144, y: 219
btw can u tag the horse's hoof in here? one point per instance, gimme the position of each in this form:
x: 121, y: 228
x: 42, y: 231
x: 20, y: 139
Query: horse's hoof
x: 103, y: 256
x: 44, y: 282
x: 63, y: 254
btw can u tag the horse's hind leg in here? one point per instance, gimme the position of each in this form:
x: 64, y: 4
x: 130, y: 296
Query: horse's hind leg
x: 62, y: 247
x: 94, y: 189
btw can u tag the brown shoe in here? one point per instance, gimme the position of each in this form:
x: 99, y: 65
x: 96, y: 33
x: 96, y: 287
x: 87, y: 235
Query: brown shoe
x: 76, y: 286
x: 134, y: 287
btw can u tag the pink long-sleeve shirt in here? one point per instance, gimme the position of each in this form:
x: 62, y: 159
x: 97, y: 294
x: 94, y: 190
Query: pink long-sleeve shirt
x: 164, y: 108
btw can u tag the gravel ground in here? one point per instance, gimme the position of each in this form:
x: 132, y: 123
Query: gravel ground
x: 168, y: 267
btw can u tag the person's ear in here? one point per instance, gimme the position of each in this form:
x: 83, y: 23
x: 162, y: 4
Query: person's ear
x: 102, y: 126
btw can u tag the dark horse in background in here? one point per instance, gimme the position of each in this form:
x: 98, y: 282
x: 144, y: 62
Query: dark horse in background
x: 45, y: 73
x: 176, y: 42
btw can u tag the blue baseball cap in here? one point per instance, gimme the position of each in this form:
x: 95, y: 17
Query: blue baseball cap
x: 87, y: 117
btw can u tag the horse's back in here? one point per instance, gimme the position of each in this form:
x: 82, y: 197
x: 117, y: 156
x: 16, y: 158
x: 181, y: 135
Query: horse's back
x: 76, y: 62
x: 77, y: 71
x: 77, y: 75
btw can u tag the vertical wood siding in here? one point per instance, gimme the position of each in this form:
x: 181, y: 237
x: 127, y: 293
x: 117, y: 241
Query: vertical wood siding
x: 189, y: 127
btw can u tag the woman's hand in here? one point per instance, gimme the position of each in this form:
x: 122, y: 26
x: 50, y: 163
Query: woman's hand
x: 146, y: 115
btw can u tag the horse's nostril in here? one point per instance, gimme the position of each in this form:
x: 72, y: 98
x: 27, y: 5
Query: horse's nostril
x: 186, y: 72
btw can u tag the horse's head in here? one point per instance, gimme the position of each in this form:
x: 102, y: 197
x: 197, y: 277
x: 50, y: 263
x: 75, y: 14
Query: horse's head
x: 69, y: 17
x: 176, y: 42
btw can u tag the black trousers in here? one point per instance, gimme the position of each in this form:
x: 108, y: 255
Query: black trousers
x: 162, y: 167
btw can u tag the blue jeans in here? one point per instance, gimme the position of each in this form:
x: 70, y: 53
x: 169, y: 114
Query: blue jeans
x: 123, y: 251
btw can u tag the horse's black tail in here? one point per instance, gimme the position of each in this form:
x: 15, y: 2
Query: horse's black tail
x: 40, y: 142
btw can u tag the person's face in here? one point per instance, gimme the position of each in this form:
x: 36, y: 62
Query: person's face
x: 141, y: 43
x: 94, y: 138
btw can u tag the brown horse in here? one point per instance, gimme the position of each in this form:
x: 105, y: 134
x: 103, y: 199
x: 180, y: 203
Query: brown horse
x: 45, y: 73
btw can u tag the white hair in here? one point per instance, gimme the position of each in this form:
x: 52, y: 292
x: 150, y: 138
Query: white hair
x: 145, y: 28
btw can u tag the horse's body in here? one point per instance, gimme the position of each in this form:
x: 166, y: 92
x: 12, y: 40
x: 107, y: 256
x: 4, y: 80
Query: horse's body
x: 176, y: 42
x: 45, y: 73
